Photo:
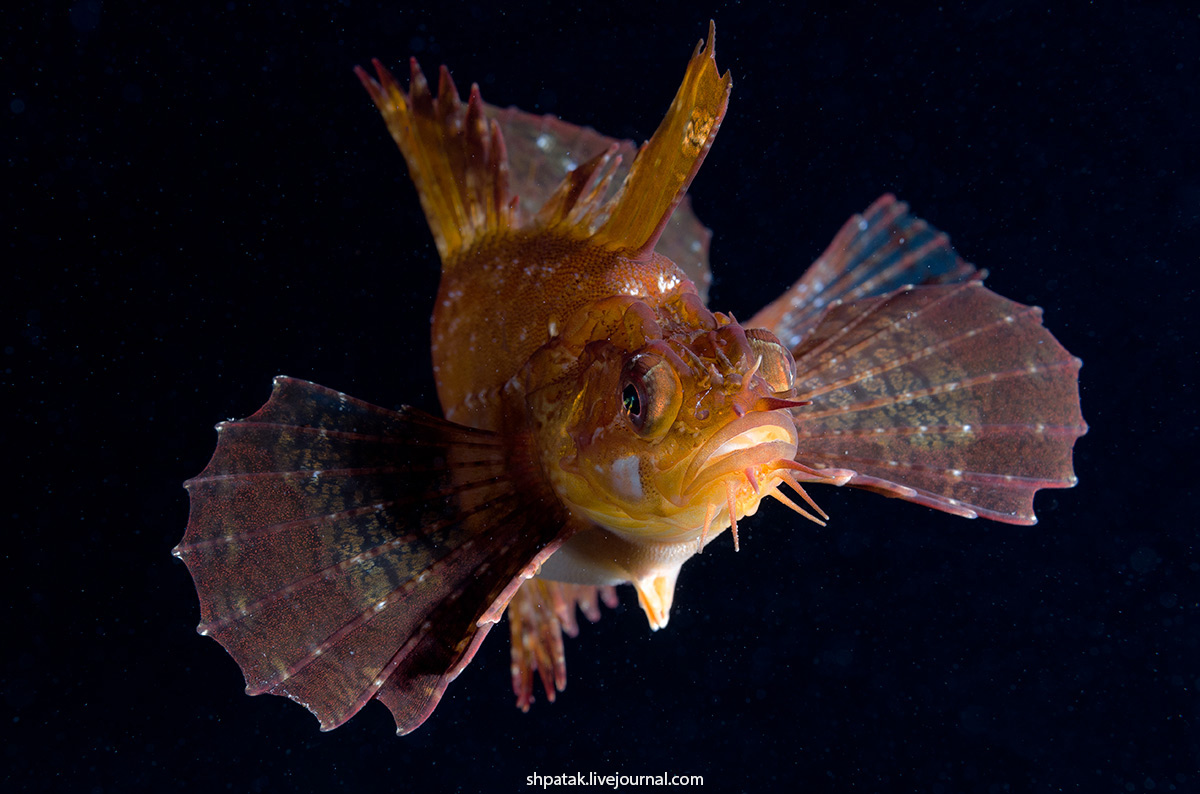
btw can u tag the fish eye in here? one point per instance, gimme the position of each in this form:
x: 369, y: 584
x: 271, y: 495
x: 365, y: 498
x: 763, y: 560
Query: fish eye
x: 650, y: 394
x: 778, y: 367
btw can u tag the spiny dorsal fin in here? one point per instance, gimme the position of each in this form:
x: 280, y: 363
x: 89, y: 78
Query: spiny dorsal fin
x: 665, y: 165
x: 455, y: 156
x: 543, y: 150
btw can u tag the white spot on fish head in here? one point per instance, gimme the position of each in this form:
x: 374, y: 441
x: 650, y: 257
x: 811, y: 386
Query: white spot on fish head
x: 627, y: 477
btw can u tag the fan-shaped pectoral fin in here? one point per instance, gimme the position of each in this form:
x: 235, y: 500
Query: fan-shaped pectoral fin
x: 949, y: 396
x: 342, y: 551
x: 873, y: 254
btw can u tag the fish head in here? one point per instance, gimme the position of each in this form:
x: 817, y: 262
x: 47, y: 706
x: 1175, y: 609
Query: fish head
x: 670, y: 424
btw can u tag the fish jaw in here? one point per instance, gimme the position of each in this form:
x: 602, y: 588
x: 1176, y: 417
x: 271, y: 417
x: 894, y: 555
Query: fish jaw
x: 753, y: 441
x: 746, y: 456
x: 703, y: 495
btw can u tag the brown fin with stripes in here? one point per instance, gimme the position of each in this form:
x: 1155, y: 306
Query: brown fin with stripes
x: 343, y: 552
x: 948, y: 395
x: 943, y: 393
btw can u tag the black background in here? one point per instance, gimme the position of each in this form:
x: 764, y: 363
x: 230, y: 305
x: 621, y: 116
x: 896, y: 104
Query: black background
x: 199, y: 196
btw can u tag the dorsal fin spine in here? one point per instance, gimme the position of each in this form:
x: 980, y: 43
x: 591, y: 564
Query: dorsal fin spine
x: 455, y: 154
x: 458, y: 160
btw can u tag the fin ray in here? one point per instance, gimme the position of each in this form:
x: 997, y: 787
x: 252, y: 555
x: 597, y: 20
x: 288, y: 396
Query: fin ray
x: 540, y: 613
x: 455, y: 156
x: 543, y: 150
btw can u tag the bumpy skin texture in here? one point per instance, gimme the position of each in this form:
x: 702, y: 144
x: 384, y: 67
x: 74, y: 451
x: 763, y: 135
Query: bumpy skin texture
x: 603, y: 423
x: 549, y: 280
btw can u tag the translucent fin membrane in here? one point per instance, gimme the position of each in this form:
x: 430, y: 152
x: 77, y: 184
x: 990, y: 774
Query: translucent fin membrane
x: 874, y: 253
x: 949, y: 396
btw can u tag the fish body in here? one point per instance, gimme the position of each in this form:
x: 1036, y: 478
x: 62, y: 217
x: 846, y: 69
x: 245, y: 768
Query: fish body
x: 602, y: 424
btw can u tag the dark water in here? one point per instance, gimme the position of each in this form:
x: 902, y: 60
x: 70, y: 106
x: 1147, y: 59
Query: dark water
x: 199, y: 197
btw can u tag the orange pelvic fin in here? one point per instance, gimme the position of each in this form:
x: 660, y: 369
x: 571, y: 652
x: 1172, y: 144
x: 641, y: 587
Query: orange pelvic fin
x: 540, y: 613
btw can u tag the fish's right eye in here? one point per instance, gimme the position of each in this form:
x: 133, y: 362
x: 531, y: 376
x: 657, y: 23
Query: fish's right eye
x: 650, y: 394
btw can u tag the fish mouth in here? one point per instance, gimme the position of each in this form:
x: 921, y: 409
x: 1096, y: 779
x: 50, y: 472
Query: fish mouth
x: 755, y: 439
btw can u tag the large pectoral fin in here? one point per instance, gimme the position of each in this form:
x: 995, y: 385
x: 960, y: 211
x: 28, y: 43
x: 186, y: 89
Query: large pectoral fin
x: 950, y: 396
x: 342, y: 551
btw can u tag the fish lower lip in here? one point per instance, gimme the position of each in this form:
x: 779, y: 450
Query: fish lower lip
x: 754, y: 439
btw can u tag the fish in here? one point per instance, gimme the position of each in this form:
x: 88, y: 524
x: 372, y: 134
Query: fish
x: 601, y: 424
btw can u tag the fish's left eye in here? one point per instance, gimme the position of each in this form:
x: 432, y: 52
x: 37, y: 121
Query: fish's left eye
x: 650, y: 394
x: 778, y: 367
